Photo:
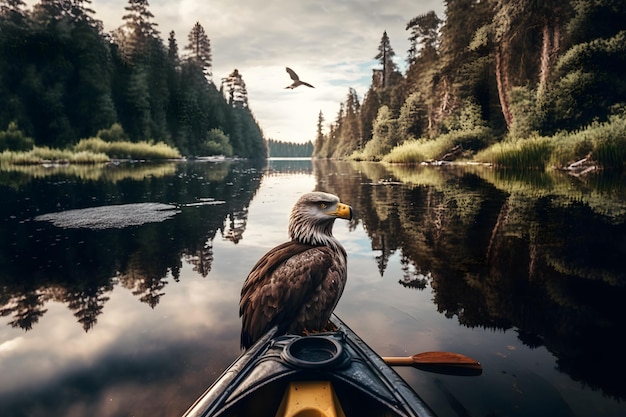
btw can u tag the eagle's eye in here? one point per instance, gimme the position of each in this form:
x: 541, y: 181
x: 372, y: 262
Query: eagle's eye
x: 323, y: 205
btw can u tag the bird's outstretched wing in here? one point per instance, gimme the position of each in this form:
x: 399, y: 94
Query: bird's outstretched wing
x: 292, y: 74
x: 296, y: 79
x: 279, y: 287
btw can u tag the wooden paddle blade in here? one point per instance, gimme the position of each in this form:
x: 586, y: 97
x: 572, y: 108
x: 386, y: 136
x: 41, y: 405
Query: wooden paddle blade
x: 445, y: 358
x: 447, y: 363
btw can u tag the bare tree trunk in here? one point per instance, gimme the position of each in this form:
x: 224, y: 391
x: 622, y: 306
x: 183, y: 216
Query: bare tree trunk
x: 430, y: 114
x: 546, y: 49
x: 502, y: 79
x: 446, y: 96
x: 549, y: 50
x: 556, y: 38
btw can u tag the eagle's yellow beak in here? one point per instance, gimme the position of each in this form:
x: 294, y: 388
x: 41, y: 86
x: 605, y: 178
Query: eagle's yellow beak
x: 343, y: 211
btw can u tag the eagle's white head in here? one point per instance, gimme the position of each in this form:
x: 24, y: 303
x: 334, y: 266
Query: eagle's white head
x: 312, y: 218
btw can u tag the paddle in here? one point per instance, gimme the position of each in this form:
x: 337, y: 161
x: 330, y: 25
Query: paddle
x: 439, y: 362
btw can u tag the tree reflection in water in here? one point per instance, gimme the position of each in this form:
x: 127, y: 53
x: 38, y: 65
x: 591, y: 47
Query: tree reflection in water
x: 542, y: 254
x: 78, y: 266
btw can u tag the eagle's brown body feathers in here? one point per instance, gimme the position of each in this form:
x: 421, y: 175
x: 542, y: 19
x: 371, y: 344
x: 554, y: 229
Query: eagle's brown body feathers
x: 297, y: 285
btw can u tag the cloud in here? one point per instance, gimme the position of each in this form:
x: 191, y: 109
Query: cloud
x: 210, y: 307
x: 330, y: 44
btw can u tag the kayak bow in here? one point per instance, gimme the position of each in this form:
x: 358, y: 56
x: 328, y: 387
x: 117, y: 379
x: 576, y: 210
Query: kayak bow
x: 327, y: 374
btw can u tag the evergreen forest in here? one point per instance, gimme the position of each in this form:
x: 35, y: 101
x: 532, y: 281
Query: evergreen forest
x: 63, y: 80
x: 283, y: 149
x: 517, y: 83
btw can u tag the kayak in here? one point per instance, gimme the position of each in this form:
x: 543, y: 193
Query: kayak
x: 325, y: 374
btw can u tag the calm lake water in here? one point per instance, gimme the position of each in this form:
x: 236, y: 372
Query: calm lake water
x: 119, y: 286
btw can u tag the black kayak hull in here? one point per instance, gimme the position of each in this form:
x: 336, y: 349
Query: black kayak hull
x: 254, y: 384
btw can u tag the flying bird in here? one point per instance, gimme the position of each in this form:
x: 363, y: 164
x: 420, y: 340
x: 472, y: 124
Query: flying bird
x: 297, y: 285
x: 296, y: 80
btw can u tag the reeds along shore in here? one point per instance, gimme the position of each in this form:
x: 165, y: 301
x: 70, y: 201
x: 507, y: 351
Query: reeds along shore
x: 90, y: 151
x: 600, y: 144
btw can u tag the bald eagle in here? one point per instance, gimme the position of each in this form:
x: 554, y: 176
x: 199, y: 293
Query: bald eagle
x: 296, y: 79
x: 297, y: 285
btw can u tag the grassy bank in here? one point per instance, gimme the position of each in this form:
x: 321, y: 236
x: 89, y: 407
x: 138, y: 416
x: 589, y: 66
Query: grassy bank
x: 128, y: 150
x: 18, y: 149
x: 90, y: 151
x: 446, y: 147
x: 602, y: 145
x: 41, y: 155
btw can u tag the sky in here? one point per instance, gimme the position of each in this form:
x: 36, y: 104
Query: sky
x: 329, y: 43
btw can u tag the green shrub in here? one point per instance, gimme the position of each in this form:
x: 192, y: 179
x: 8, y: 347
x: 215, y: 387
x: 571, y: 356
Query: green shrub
x: 471, y: 117
x: 413, y: 118
x: 13, y: 139
x: 113, y: 134
x: 526, y: 120
x: 384, y: 136
x: 467, y: 119
x: 93, y: 145
x: 357, y: 155
x: 217, y: 143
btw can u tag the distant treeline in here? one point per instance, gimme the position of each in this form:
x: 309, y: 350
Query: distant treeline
x: 63, y: 79
x: 491, y: 71
x: 290, y: 149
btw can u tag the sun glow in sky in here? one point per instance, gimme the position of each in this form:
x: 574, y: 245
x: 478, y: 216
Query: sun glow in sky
x: 330, y: 44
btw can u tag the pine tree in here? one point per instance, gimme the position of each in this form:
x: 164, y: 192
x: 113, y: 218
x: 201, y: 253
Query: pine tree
x: 319, y: 137
x: 142, y: 95
x: 425, y: 33
x: 172, y: 50
x: 173, y: 86
x: 235, y: 88
x: 385, y: 57
x: 14, y: 33
x: 199, y: 48
x: 423, y: 75
x: 465, y: 65
x: 138, y: 30
x: 47, y: 11
x: 350, y: 138
x: 335, y: 134
x: 368, y: 111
